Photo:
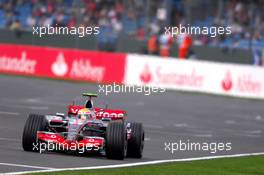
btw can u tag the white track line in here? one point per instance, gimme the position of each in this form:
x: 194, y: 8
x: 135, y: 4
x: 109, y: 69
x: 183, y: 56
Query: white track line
x: 25, y: 107
x: 202, y: 135
x: 9, y: 139
x: 9, y: 113
x: 153, y: 126
x: 147, y: 139
x: 137, y: 164
x: 27, y: 166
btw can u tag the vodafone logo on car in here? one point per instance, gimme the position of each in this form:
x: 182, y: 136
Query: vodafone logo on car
x: 21, y: 64
x: 59, y: 67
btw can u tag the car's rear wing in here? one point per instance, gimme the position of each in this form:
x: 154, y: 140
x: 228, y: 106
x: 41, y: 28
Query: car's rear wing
x: 88, y: 94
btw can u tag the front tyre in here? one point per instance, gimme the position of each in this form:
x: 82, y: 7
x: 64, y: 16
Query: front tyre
x: 116, y: 141
x: 33, y: 124
x: 136, y: 142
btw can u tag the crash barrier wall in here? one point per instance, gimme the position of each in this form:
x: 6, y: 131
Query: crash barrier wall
x: 133, y: 69
x: 61, y: 63
x: 200, y: 76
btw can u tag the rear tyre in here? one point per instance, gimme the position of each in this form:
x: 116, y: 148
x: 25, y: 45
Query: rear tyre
x: 116, y: 141
x: 136, y: 142
x: 33, y: 124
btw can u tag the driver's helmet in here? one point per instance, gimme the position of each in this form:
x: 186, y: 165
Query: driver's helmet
x: 84, y: 114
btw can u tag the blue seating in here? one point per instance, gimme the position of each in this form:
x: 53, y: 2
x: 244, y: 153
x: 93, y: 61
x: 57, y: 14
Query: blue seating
x: 130, y: 26
x: 2, y: 18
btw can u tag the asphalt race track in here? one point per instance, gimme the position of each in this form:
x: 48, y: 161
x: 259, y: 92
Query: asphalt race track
x: 167, y: 117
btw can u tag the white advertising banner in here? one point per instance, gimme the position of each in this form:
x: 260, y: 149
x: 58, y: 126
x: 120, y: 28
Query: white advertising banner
x: 191, y: 75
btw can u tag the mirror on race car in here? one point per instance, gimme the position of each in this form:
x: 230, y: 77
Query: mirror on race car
x: 60, y: 114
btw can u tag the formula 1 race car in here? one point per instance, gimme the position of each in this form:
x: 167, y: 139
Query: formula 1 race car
x: 85, y: 129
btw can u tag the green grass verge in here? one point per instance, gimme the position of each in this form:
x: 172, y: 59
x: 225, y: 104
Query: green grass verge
x: 252, y: 165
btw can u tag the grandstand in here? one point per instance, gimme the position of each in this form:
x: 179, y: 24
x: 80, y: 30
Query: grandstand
x: 139, y: 19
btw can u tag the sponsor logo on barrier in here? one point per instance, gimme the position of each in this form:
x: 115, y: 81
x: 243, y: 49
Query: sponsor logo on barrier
x: 60, y: 67
x: 146, y: 75
x: 191, y: 79
x: 227, y: 82
x: 84, y: 69
x: 80, y: 68
x: 164, y: 76
x: 16, y: 64
x: 244, y: 83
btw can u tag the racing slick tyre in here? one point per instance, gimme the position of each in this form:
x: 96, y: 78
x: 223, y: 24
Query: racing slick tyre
x: 33, y: 124
x: 116, y: 141
x: 136, y: 142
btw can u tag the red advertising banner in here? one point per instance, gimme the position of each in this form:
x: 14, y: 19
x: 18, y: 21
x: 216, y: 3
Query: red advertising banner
x: 61, y: 63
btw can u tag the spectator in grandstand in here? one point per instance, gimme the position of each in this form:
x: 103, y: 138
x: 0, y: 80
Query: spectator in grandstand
x: 185, y: 42
x: 153, y: 45
x: 16, y: 27
x: 257, y: 56
x: 165, y: 42
x: 257, y: 51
